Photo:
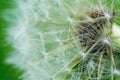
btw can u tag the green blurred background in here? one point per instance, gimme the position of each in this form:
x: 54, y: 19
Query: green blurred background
x: 7, y: 71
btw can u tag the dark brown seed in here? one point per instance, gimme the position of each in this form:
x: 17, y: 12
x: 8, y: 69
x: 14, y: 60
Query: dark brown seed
x: 90, y: 32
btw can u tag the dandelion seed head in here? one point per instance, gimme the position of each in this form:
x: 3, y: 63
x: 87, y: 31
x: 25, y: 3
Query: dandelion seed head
x: 48, y: 33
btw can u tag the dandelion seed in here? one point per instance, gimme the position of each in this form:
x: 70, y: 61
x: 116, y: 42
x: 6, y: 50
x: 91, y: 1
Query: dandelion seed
x: 106, y: 41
